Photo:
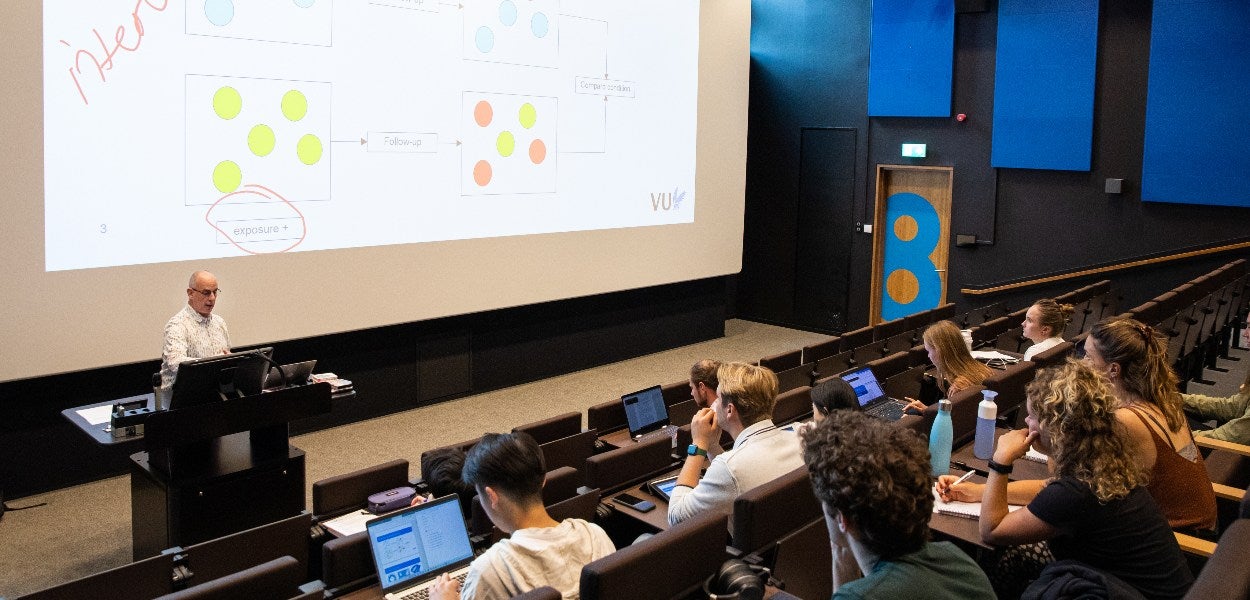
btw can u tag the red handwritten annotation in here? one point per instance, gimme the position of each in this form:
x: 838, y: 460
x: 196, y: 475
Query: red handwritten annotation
x: 119, y: 44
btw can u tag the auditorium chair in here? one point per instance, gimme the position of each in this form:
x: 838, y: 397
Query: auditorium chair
x: 908, y: 383
x: 852, y: 340
x: 802, y: 562
x: 821, y: 350
x: 888, y: 329
x: 792, y: 405
x: 278, y: 578
x: 682, y: 412
x: 347, y: 564
x: 344, y: 493
x: 545, y: 592
x: 554, y: 428
x: 769, y: 512
x: 616, y: 468
x: 792, y: 378
x: 1225, y: 575
x: 606, y: 417
x: 1010, y: 384
x: 891, y: 365
x: 782, y: 361
x: 1054, y: 356
x: 941, y: 313
x: 834, y: 365
x: 678, y: 391
x: 139, y: 580
x: 213, y: 559
x: 571, y: 451
x: 669, y: 565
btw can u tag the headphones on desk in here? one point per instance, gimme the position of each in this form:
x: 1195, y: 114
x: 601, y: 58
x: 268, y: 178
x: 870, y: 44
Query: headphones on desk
x: 737, y: 580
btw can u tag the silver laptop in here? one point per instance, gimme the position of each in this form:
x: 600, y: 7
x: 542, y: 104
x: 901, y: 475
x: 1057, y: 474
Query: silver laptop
x: 647, y: 415
x: 871, y: 396
x: 413, y: 546
x: 296, y: 374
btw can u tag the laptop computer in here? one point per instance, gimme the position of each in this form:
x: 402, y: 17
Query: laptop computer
x: 647, y: 415
x: 296, y: 374
x: 413, y: 546
x: 872, y: 398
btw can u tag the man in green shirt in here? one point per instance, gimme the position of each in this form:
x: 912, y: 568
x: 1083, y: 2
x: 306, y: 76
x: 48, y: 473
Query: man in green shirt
x: 1232, y: 414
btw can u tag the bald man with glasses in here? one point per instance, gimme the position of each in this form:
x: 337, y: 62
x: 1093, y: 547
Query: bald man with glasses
x: 195, y: 332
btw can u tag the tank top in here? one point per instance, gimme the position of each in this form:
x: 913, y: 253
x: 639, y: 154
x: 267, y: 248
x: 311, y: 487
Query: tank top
x: 1180, y: 486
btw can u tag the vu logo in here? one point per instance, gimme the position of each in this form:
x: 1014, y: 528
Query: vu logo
x: 667, y: 200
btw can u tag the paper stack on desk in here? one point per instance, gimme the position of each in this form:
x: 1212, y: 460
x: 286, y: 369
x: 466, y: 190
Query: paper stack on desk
x: 338, y: 385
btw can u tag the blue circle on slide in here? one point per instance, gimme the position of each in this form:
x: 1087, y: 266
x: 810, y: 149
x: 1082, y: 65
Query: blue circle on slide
x: 539, y: 25
x: 219, y: 12
x: 485, y: 39
x: 305, y: 3
x: 507, y: 13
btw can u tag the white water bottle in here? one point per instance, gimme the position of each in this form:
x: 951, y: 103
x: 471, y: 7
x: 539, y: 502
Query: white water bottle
x: 987, y: 414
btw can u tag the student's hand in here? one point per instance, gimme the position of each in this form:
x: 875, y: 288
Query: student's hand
x: 704, y: 430
x: 1013, y: 445
x: 964, y: 492
x: 445, y: 588
x: 419, y: 499
x: 914, y: 404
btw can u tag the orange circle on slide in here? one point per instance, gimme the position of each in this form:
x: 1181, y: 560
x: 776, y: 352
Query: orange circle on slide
x: 483, y: 113
x: 538, y: 151
x: 481, y: 173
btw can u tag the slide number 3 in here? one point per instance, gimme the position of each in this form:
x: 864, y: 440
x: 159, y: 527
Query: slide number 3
x: 104, y: 228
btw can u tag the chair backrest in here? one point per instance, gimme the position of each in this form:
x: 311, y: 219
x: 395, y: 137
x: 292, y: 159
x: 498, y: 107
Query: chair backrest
x: 821, y: 350
x: 581, y: 506
x: 138, y: 580
x: 988, y: 332
x: 676, y: 392
x: 554, y: 428
x: 802, y: 562
x: 545, y: 592
x: 238, y: 551
x: 681, y: 413
x: 963, y: 417
x: 571, y: 451
x: 561, y: 484
x: 346, y: 563
x: 889, y: 329
x: 670, y: 564
x: 835, y: 364
x: 1225, y: 574
x: 942, y: 313
x: 1010, y: 384
x: 766, y: 513
x: 906, y: 384
x: 792, y: 405
x: 606, y: 416
x: 782, y: 361
x: 277, y: 578
x: 794, y: 377
x: 890, y: 365
x: 614, y: 468
x: 1053, y: 356
x: 855, y: 339
x: 351, y: 491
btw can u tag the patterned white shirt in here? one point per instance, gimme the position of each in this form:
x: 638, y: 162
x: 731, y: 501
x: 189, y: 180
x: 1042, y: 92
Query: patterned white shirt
x: 190, y: 335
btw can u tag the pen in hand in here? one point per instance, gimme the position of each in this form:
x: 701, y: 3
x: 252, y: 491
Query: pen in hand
x: 961, y: 479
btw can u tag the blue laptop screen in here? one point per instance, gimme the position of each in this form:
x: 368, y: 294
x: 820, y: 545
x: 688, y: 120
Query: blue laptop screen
x: 419, y: 540
x: 865, y: 384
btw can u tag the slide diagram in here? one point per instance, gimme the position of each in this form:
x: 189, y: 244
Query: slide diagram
x: 295, y: 125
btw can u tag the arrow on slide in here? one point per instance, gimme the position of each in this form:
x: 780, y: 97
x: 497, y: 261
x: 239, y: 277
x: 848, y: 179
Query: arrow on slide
x: 363, y: 141
x: 458, y: 6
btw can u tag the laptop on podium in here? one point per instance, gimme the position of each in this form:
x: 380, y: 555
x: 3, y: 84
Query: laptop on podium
x: 413, y: 546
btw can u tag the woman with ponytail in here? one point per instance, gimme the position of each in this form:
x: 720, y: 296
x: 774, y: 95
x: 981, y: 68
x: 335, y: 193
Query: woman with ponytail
x: 1133, y: 358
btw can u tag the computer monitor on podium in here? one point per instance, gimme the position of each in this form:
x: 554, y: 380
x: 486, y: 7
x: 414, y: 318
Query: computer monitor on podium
x: 217, y: 378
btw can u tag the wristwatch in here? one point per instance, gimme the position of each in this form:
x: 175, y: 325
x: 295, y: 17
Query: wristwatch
x: 694, y: 450
x: 997, y: 468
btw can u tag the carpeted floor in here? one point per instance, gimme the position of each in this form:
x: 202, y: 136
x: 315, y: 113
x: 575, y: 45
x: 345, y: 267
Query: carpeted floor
x: 86, y: 529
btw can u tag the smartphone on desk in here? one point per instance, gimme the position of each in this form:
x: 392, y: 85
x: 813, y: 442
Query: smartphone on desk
x: 634, y: 502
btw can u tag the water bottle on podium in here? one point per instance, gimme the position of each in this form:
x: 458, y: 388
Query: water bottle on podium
x: 987, y: 416
x: 940, y: 439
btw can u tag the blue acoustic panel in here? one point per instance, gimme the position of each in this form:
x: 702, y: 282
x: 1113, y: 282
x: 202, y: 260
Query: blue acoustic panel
x: 1198, y: 104
x: 912, y: 58
x: 1044, y: 84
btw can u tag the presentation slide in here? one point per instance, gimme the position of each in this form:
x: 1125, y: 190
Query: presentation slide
x: 218, y: 128
x: 342, y: 165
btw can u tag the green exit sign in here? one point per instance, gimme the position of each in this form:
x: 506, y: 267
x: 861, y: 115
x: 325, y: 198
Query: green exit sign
x: 914, y: 150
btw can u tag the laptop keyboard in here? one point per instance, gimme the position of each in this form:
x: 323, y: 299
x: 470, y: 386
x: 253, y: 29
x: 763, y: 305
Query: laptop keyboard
x: 890, y: 411
x: 424, y: 593
x: 669, y: 431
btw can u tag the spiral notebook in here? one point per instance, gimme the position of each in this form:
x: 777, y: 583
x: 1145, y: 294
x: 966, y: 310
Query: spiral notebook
x: 967, y: 510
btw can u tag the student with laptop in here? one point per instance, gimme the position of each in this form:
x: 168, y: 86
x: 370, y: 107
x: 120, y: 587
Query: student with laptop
x: 957, y: 370
x: 872, y: 480
x: 761, y: 452
x: 507, y: 470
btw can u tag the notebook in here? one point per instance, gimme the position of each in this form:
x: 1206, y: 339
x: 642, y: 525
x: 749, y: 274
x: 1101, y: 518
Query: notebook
x: 413, y: 546
x: 967, y: 510
x: 871, y: 396
x: 646, y: 413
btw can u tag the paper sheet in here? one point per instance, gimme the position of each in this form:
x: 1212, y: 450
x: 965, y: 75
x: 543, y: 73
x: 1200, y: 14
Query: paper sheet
x: 98, y: 415
x: 967, y: 510
x: 348, y: 524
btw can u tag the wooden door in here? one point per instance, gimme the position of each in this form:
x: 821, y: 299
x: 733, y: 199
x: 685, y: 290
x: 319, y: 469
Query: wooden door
x: 911, y: 240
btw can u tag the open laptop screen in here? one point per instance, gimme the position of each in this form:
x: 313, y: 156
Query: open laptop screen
x: 645, y: 410
x: 419, y: 541
x: 864, y: 382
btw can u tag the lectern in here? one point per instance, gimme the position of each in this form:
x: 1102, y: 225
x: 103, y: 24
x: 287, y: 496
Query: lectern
x: 215, y: 469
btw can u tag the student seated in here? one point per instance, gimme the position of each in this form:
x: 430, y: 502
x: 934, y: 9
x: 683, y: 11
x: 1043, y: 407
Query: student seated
x: 1095, y: 509
x: 443, y: 469
x: 507, y: 470
x: 761, y: 452
x: 1231, y: 414
x: 1044, y: 324
x: 872, y: 479
x: 830, y: 396
x: 956, y: 369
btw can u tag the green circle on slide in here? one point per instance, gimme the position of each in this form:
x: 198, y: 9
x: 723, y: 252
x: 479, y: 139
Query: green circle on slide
x: 505, y: 143
x: 227, y: 102
x: 227, y: 176
x: 308, y: 149
x: 260, y: 140
x: 294, y: 105
x: 528, y: 115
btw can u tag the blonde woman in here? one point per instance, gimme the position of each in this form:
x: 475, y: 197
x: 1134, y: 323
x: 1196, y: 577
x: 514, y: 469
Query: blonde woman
x: 956, y: 369
x: 1095, y: 508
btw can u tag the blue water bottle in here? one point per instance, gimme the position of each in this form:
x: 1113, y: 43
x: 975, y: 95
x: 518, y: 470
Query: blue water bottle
x: 940, y: 439
x: 987, y: 415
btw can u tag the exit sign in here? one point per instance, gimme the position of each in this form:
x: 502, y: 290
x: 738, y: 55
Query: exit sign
x: 914, y: 150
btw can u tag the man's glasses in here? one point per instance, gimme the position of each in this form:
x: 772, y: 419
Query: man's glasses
x: 207, y: 293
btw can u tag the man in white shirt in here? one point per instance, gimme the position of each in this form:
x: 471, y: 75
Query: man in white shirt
x: 508, y: 472
x: 761, y: 452
x: 194, y: 332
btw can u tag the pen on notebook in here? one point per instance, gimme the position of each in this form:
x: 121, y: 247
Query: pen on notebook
x: 963, y: 478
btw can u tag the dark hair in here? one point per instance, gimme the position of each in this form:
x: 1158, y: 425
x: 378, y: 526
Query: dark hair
x: 510, y: 463
x: 443, y: 470
x: 876, y: 475
x: 833, y: 394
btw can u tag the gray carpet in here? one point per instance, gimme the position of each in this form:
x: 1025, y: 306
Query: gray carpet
x: 86, y: 529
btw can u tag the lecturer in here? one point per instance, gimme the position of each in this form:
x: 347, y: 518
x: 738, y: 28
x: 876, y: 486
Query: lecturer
x: 194, y: 332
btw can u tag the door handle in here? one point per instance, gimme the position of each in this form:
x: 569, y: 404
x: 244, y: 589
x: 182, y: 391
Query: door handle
x: 939, y: 270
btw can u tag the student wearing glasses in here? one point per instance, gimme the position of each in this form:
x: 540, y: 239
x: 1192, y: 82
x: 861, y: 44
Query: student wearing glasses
x: 194, y: 332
